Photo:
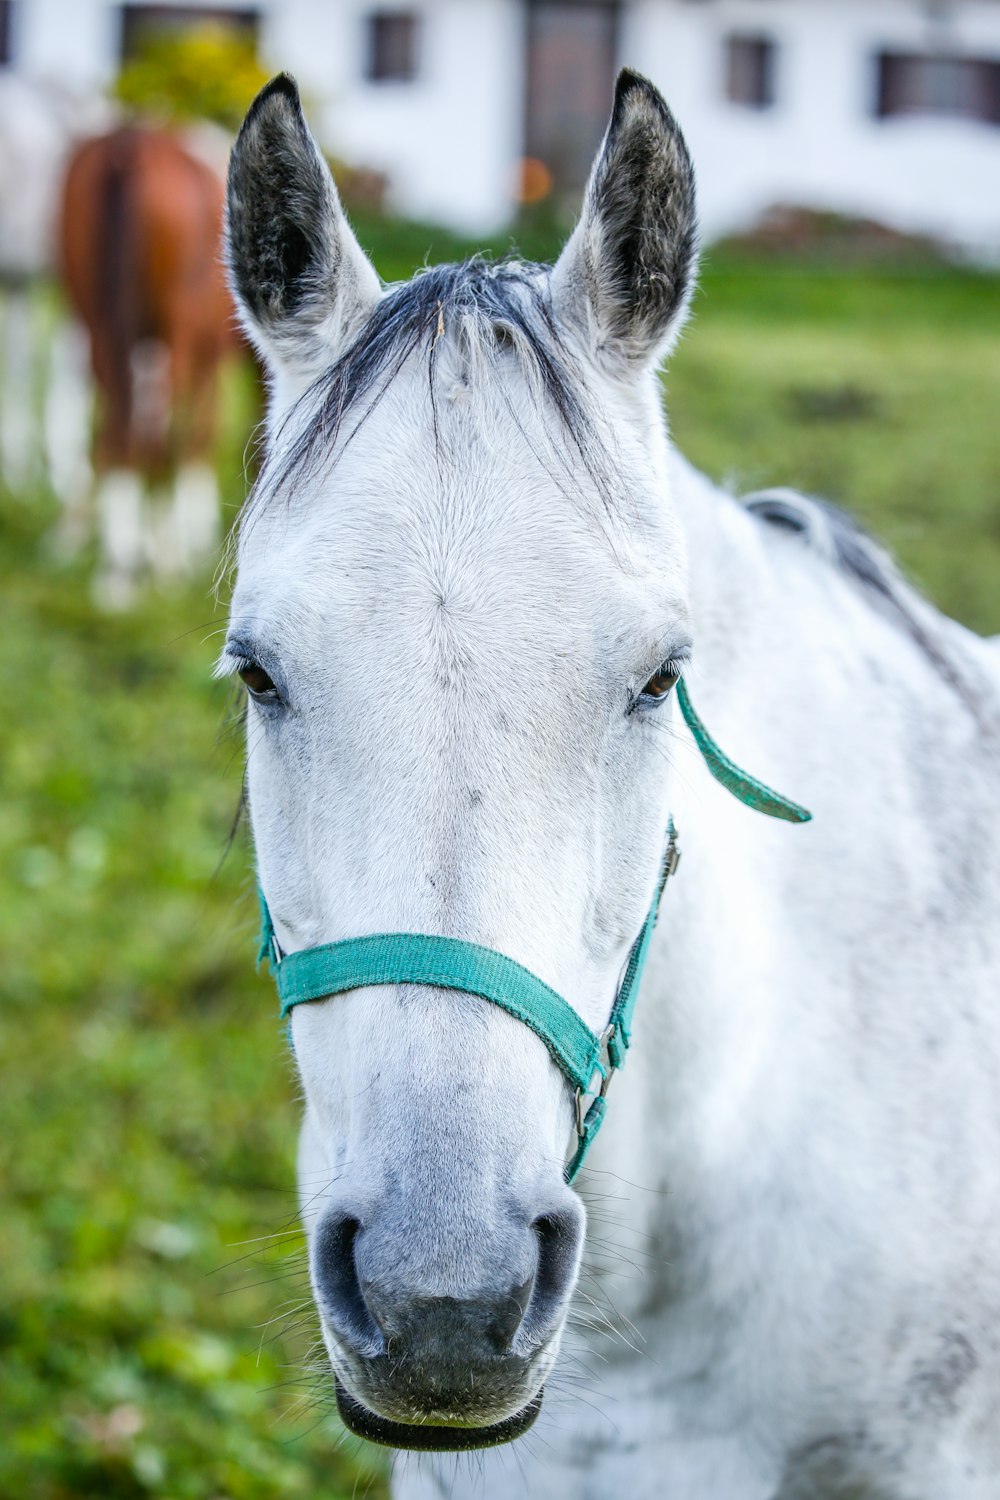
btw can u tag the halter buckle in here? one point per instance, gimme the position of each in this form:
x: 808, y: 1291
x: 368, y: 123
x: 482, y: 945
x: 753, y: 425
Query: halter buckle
x: 607, y: 1070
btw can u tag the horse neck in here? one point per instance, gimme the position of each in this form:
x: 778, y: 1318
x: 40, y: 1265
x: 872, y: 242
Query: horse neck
x: 803, y: 673
x: 752, y: 987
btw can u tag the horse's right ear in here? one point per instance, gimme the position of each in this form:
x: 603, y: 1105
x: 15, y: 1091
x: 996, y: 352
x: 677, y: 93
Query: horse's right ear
x: 302, y: 282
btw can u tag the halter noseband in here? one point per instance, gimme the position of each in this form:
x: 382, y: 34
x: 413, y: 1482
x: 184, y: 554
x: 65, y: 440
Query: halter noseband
x: 583, y: 1056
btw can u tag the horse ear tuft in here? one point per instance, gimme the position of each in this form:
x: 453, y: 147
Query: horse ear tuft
x: 301, y: 280
x: 626, y: 275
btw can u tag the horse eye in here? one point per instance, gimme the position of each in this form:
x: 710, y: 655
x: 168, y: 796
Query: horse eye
x: 661, y: 682
x: 257, y: 680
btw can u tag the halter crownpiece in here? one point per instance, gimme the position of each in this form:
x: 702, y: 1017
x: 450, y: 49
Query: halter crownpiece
x: 586, y: 1058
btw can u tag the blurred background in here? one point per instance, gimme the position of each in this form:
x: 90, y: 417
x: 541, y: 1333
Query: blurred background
x: 154, y: 1320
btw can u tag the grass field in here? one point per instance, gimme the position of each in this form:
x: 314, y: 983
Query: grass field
x: 150, y: 1338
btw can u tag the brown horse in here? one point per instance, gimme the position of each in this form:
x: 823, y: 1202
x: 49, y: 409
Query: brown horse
x: 139, y: 247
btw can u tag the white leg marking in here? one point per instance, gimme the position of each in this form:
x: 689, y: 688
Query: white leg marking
x: 196, y: 515
x: 66, y: 417
x: 121, y: 538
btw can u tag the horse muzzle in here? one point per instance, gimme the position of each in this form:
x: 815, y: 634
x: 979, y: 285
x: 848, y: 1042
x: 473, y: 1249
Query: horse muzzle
x: 443, y: 1372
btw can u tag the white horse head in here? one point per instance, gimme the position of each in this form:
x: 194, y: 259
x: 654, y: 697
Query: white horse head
x: 460, y: 608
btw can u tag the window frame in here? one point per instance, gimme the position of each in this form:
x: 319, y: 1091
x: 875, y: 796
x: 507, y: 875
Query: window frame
x: 765, y: 66
x: 380, y: 71
x: 974, y: 85
x: 136, y: 17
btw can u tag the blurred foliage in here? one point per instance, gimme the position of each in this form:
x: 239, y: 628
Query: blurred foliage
x: 874, y: 388
x: 361, y: 189
x: 205, y: 72
x: 153, y: 1282
x: 211, y: 72
x: 822, y: 235
x: 399, y: 247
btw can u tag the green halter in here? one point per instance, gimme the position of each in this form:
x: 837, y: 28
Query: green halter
x: 582, y: 1055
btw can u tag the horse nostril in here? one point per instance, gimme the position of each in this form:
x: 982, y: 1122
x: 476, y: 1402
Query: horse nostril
x: 338, y: 1286
x: 560, y: 1240
x: 373, y: 1310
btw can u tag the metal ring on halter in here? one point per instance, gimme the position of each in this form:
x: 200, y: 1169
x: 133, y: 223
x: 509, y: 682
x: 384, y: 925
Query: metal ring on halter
x: 607, y: 1070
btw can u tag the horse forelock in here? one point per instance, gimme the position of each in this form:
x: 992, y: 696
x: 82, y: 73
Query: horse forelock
x: 464, y: 321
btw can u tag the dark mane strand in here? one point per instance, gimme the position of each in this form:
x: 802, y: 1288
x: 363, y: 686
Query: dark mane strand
x: 504, y: 305
x: 836, y: 536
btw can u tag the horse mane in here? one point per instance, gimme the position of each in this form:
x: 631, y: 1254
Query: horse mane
x: 834, y: 535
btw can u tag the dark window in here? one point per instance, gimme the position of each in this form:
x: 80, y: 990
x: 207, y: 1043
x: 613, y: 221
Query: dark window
x: 140, y: 22
x: 911, y: 83
x: 6, y: 6
x: 392, y: 46
x: 750, y: 69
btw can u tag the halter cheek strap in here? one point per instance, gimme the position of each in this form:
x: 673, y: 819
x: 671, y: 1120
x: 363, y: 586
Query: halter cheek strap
x: 587, y: 1059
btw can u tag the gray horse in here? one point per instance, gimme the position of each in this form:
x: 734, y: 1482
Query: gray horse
x: 469, y: 580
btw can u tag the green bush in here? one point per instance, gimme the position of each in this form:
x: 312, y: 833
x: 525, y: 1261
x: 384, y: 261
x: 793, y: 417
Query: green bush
x: 203, y: 73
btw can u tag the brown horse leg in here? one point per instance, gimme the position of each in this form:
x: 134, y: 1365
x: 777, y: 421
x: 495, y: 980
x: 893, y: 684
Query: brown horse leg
x: 119, y: 500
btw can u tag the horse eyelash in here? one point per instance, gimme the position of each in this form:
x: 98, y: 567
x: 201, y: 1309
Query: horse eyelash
x: 675, y: 665
x: 229, y: 665
x: 234, y: 660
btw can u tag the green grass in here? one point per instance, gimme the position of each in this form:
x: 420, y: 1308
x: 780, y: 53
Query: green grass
x: 877, y: 390
x: 148, y: 1110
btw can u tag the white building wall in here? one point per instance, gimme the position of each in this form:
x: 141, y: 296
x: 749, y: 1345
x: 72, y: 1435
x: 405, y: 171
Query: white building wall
x: 820, y: 144
x: 74, y: 43
x: 450, y: 140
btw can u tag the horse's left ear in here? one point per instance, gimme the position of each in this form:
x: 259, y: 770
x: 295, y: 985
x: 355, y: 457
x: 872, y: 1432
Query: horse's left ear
x: 303, y: 284
x: 626, y: 275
